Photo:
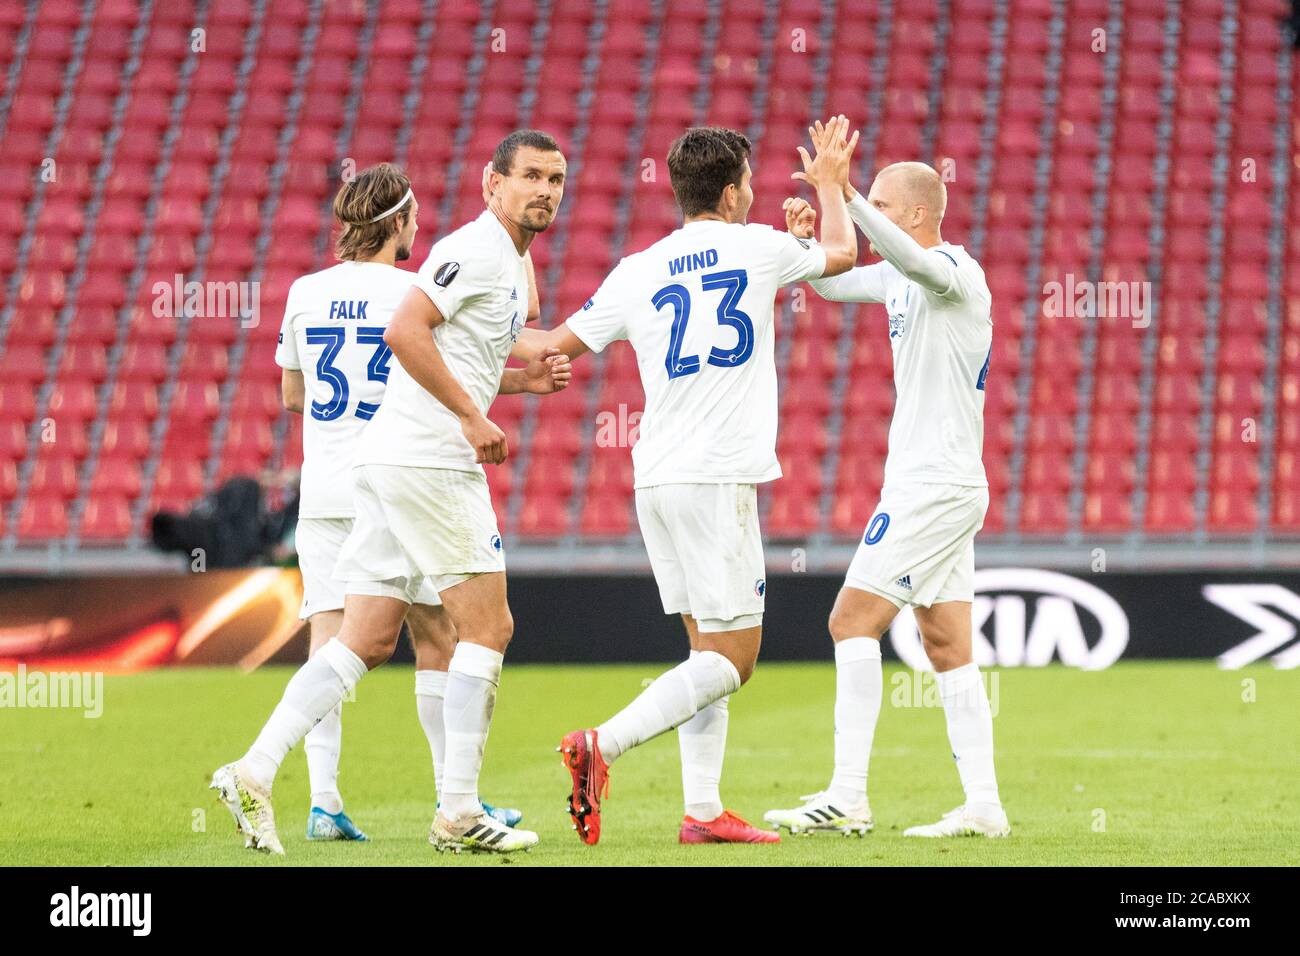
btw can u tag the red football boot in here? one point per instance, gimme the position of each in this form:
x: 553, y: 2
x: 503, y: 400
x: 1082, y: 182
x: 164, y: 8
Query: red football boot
x: 581, y: 754
x: 727, y: 828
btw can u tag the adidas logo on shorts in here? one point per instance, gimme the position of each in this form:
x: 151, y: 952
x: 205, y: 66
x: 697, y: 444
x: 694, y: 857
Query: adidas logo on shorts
x: 905, y: 582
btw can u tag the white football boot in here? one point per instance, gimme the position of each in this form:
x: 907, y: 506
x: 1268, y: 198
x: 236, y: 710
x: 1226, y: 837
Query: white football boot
x: 480, y: 833
x: 820, y: 813
x: 250, y: 805
x: 963, y: 822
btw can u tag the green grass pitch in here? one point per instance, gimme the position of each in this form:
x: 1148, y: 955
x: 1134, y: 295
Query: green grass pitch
x: 1142, y: 764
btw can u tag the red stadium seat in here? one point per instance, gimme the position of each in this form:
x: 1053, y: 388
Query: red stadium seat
x: 607, y: 514
x: 178, y: 479
x: 1044, y: 512
x: 43, y: 519
x: 544, y: 514
x: 74, y: 399
x: 116, y: 476
x: 792, y: 515
x: 1108, y: 512
x: 1231, y: 511
x: 54, y: 477
x: 8, y: 481
x: 17, y: 403
x: 107, y: 520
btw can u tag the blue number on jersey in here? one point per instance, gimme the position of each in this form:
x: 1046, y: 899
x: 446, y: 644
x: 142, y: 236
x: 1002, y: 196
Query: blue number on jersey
x: 680, y: 299
x: 332, y: 337
x: 377, y: 370
x: 876, y: 530
x: 984, y: 372
x: 733, y: 282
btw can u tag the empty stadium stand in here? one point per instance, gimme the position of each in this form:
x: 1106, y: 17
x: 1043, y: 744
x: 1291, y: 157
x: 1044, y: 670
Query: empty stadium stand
x: 148, y: 144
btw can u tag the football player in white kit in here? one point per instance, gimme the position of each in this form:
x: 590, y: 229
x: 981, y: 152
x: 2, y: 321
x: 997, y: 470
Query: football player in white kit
x: 918, y: 548
x: 697, y: 307
x: 422, y: 503
x: 335, y: 369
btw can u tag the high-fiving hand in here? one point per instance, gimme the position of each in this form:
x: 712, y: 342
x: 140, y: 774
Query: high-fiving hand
x: 833, y: 154
x: 800, y: 217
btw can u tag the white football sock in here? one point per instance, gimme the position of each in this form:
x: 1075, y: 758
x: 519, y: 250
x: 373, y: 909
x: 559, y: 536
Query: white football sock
x: 471, y: 696
x: 323, y: 744
x: 430, y: 692
x: 858, y: 690
x: 703, y: 743
x: 970, y: 732
x: 674, y: 697
x: 316, y: 689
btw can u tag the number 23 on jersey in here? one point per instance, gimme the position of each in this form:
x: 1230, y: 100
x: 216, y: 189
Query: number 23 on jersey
x: 732, y: 284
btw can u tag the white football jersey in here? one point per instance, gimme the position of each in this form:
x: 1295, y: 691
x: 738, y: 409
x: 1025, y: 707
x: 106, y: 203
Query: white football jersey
x: 333, y: 331
x: 942, y: 344
x: 478, y: 281
x: 697, y: 308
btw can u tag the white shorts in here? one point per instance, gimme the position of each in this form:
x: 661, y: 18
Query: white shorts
x: 706, y: 551
x: 418, y: 522
x: 919, y: 547
x: 319, y: 541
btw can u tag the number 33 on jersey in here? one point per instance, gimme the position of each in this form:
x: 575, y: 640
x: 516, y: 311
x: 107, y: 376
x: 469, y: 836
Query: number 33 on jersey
x: 333, y: 331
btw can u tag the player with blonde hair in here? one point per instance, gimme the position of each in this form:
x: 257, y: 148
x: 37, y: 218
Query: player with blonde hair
x: 918, y: 548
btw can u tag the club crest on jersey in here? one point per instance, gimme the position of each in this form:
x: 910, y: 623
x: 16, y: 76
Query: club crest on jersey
x: 446, y: 273
x: 514, y: 295
x: 760, y: 587
x: 898, y: 323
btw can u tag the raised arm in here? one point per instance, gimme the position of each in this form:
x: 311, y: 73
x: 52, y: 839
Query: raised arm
x: 860, y: 284
x: 932, y: 270
x: 828, y: 172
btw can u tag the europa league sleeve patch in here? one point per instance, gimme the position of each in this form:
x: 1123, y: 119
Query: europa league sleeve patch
x: 446, y: 273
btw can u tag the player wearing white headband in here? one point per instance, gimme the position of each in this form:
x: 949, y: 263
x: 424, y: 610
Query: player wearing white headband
x: 336, y: 373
